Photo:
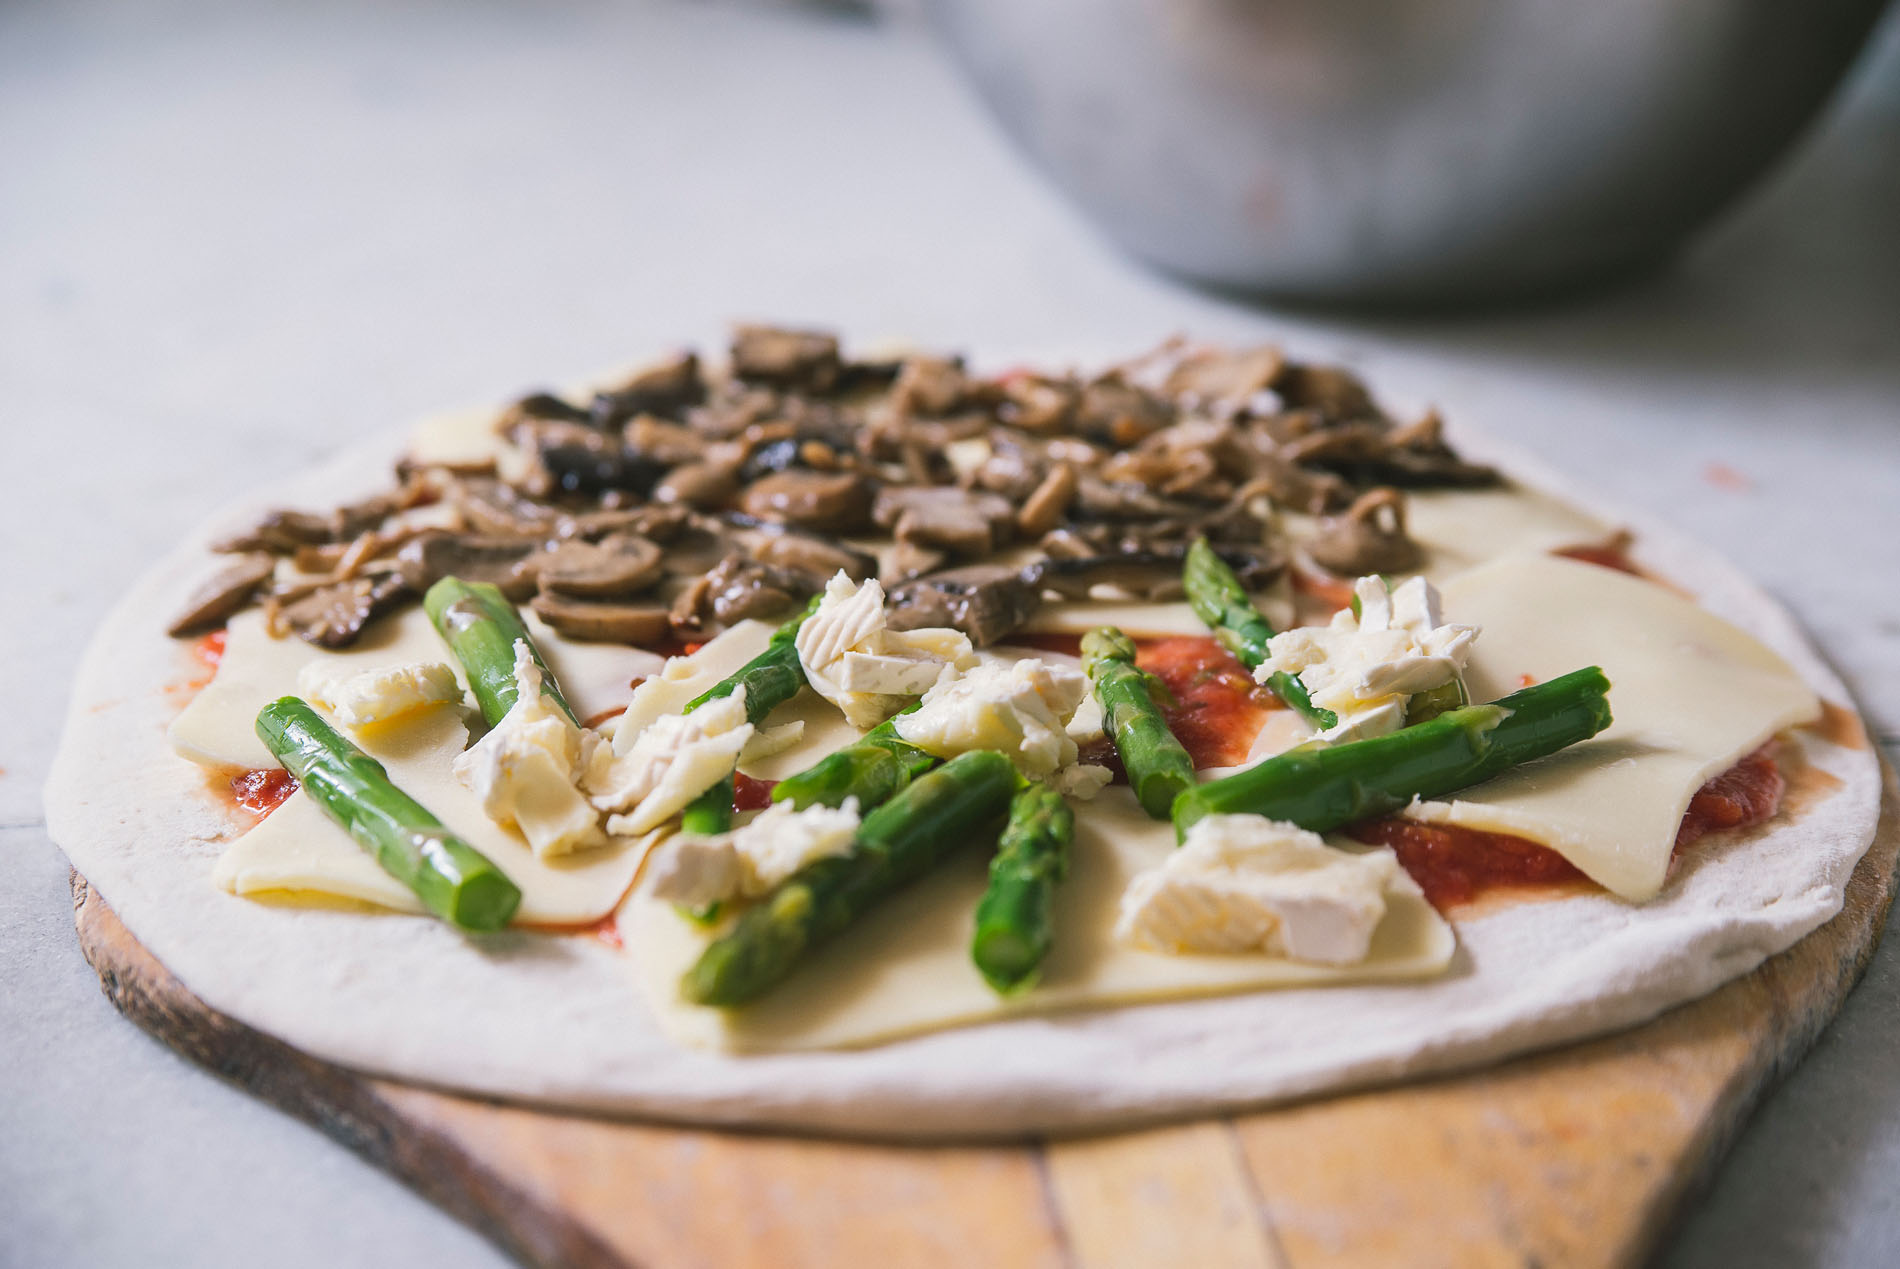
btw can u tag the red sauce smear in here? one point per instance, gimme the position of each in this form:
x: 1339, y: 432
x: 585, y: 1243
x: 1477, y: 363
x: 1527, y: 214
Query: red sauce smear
x: 1216, y: 711
x: 1454, y: 865
x: 1613, y: 554
x: 210, y: 649
x: 262, y: 791
x: 749, y: 794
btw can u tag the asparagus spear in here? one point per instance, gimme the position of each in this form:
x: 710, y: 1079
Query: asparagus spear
x: 1158, y: 767
x: 770, y: 678
x: 873, y: 769
x: 1015, y: 923
x: 947, y: 808
x: 1219, y: 599
x: 710, y: 812
x: 481, y: 628
x: 453, y: 879
x: 1323, y: 787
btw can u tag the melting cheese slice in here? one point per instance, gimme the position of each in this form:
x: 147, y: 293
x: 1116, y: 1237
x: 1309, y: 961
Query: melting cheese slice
x: 218, y: 727
x: 905, y: 967
x: 300, y: 848
x: 1462, y: 528
x: 1690, y: 694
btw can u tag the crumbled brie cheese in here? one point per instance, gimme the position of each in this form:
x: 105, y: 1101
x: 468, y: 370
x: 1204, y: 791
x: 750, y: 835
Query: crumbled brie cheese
x: 1364, y: 668
x: 769, y: 741
x: 1019, y: 709
x: 670, y: 763
x: 527, y: 769
x: 1245, y: 883
x: 362, y: 697
x: 866, y: 670
x: 749, y: 861
x: 1081, y: 781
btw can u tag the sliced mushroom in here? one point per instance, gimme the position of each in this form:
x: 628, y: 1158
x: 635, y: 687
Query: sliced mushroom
x: 498, y: 510
x: 615, y: 567
x: 828, y: 502
x: 668, y: 444
x: 930, y: 386
x: 1335, y: 392
x: 1038, y: 404
x: 1369, y: 537
x: 706, y: 486
x: 542, y: 405
x: 1045, y: 508
x: 640, y: 624
x: 984, y: 601
x: 786, y: 358
x: 333, y: 616
x: 737, y: 589
x: 1154, y: 575
x: 1224, y: 381
x: 813, y: 555
x: 665, y: 390
x: 472, y: 557
x: 1117, y: 413
x: 281, y: 533
x: 962, y: 522
x: 573, y: 459
x: 222, y: 594
x: 1372, y: 452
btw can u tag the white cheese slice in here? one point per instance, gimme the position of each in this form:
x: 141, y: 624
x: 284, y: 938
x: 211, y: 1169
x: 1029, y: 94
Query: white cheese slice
x: 1136, y: 619
x: 1462, y: 528
x: 461, y: 438
x: 1690, y: 694
x: 905, y: 967
x: 671, y: 686
x: 298, y: 848
x: 366, y: 697
x: 217, y: 728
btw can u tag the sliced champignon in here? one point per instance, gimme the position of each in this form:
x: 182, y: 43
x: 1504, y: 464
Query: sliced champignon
x: 665, y: 390
x: 1116, y: 413
x: 1224, y: 381
x: 615, y: 567
x: 737, y: 589
x: 1098, y: 499
x: 1369, y: 537
x: 930, y: 387
x: 786, y: 358
x: 491, y: 507
x: 1045, y: 507
x: 640, y: 624
x: 905, y: 560
x: 731, y: 409
x: 984, y: 601
x: 1037, y: 404
x: 1297, y: 488
x: 706, y: 486
x: 962, y: 522
x: 813, y: 555
x: 332, y: 616
x: 1337, y: 393
x: 697, y: 547
x: 542, y: 405
x: 281, y: 533
x: 1368, y: 452
x: 668, y: 444
x: 1197, y: 460
x: 1154, y: 575
x: 222, y: 594
x: 573, y: 459
x: 473, y: 557
x: 826, y: 502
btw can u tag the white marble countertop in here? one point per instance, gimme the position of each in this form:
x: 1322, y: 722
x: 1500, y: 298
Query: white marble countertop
x: 235, y: 236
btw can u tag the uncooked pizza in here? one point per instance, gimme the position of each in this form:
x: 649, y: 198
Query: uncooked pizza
x: 881, y: 743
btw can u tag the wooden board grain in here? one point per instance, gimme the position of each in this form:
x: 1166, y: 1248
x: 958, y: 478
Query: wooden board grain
x: 1576, y: 1157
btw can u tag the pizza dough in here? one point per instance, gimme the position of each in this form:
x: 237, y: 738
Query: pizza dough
x: 559, y: 1020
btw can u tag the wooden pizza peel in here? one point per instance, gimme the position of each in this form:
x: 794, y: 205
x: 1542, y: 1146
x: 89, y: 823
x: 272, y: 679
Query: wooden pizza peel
x: 1576, y: 1157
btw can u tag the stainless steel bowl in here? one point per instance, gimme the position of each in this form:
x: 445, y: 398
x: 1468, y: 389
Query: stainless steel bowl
x: 1403, y: 151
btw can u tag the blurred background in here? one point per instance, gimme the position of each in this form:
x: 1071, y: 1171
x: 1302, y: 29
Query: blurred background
x: 1659, y: 243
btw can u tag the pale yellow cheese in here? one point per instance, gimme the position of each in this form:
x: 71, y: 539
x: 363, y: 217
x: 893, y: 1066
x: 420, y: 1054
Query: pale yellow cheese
x: 1462, y: 528
x: 905, y: 967
x: 299, y: 848
x: 1690, y: 694
x: 679, y: 680
x: 1138, y: 619
x: 217, y: 728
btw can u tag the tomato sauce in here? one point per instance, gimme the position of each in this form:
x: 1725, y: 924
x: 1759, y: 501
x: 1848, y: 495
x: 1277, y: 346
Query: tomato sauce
x: 1613, y: 554
x: 1454, y: 865
x: 1217, y: 709
x: 262, y: 791
x: 749, y: 794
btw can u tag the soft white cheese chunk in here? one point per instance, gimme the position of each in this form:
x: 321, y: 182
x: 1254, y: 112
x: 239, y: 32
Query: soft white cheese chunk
x: 360, y: 698
x: 670, y: 763
x: 866, y: 670
x: 1364, y: 668
x: 1244, y: 883
x: 1082, y: 781
x: 1019, y: 708
x: 526, y: 771
x: 768, y: 742
x: 751, y: 860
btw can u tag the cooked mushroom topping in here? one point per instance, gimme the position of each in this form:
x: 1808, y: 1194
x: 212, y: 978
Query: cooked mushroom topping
x: 731, y: 488
x: 636, y: 623
x: 813, y: 555
x: 786, y: 358
x: 1049, y: 502
x: 826, y: 502
x: 615, y: 567
x: 961, y: 522
x: 224, y: 593
x: 1368, y: 538
x: 472, y: 557
x: 664, y: 390
x: 737, y: 589
x: 332, y: 616
x: 984, y: 601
